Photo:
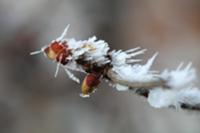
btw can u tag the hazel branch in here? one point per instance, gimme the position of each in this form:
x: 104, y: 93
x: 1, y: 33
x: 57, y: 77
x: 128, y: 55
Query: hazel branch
x: 165, y: 89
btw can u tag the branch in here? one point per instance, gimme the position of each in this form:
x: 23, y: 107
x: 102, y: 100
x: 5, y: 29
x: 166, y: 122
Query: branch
x: 168, y: 88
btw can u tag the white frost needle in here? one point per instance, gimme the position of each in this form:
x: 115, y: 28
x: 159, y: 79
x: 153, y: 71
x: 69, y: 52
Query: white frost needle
x: 180, y: 66
x: 72, y: 76
x: 150, y: 61
x: 64, y: 33
x: 132, y: 50
x: 57, y: 70
x: 137, y: 53
x: 36, y: 52
x: 188, y: 67
x: 130, y: 61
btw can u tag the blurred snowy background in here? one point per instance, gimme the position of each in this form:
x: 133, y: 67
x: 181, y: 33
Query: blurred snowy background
x: 33, y: 101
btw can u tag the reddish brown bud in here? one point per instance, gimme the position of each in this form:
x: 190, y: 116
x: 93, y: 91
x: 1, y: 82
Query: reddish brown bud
x: 90, y: 82
x: 57, y: 51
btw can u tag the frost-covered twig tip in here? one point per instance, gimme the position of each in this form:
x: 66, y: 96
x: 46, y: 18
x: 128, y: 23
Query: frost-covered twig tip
x: 170, y: 88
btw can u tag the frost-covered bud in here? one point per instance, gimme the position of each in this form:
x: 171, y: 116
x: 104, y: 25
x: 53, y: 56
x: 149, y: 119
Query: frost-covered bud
x: 58, y: 51
x: 89, y: 84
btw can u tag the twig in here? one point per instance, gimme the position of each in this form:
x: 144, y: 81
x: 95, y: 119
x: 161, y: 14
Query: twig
x: 168, y: 88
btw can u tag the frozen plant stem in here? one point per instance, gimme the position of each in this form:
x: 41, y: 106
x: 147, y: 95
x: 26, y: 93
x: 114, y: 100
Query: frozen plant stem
x: 165, y: 89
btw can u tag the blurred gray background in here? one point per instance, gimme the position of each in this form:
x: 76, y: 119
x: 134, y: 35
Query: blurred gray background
x: 33, y: 101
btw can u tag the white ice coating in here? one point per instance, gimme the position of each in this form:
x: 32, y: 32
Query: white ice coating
x: 182, y: 89
x: 180, y: 77
x: 121, y: 87
x: 133, y: 72
x: 93, y: 50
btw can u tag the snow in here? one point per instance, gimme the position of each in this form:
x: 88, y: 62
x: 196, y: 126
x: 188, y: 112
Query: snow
x: 121, y: 87
x: 181, y: 83
x: 180, y: 77
x: 92, y: 50
x: 136, y: 72
x: 190, y: 96
x: 120, y: 57
x: 160, y: 98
